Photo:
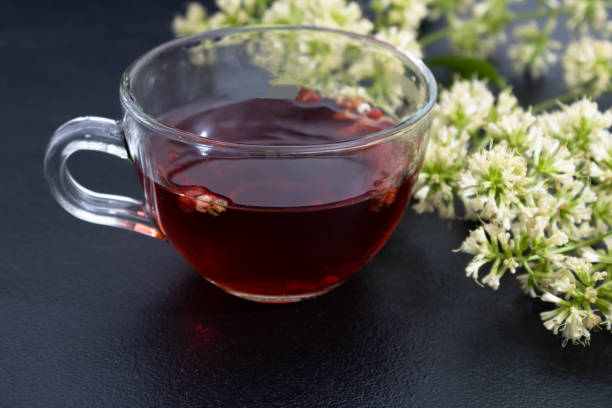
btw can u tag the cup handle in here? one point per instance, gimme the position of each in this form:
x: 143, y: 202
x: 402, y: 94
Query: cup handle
x: 100, y: 135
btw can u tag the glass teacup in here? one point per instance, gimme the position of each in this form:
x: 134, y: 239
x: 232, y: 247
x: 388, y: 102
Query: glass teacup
x: 276, y: 160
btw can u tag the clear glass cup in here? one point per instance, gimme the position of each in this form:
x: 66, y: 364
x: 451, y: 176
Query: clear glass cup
x: 269, y: 222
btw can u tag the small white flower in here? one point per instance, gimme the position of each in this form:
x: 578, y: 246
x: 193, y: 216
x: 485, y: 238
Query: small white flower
x: 574, y: 204
x: 571, y: 321
x: 574, y: 329
x: 498, y: 234
x: 591, y: 320
x: 587, y: 229
x: 279, y: 11
x: 578, y: 264
x: 193, y: 22
x: 553, y: 319
x: 589, y: 255
x: 229, y: 6
x: 551, y: 4
x: 590, y: 294
x: 549, y: 297
x: 601, y: 149
x: 598, y: 276
x: 406, y: 14
x: 605, y: 308
x: 588, y: 63
x: 493, y: 182
x: 514, y: 128
x: 506, y: 103
x: 527, y: 284
x: 600, y: 169
x: 550, y: 158
x: 471, y: 270
x: 511, y: 264
x: 558, y: 238
x: 563, y: 282
x: 492, y: 280
x: 476, y: 242
x: 489, y: 242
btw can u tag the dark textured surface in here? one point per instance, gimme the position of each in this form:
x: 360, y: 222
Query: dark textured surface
x: 92, y: 316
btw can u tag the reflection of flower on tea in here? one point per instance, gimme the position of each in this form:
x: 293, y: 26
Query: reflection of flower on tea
x: 208, y: 204
x: 335, y: 69
x: 401, y: 167
x: 196, y: 198
x: 384, y: 196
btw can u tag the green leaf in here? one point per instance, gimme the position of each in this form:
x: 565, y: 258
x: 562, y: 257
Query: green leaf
x: 468, y: 67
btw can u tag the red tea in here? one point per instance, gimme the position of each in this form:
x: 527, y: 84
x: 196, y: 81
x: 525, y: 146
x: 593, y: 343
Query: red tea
x: 278, y: 225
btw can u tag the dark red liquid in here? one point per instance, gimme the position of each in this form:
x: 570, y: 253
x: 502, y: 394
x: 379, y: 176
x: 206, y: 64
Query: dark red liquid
x: 277, y: 226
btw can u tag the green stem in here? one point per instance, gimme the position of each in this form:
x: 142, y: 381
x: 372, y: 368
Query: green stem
x: 568, y: 248
x: 570, y: 96
x: 434, y: 36
x: 532, y: 14
x: 604, y: 259
x: 480, y: 145
x: 548, y: 103
x: 527, y: 267
x: 581, y: 244
x: 525, y: 15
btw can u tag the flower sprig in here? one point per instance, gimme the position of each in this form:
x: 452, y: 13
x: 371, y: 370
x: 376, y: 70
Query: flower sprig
x: 539, y: 188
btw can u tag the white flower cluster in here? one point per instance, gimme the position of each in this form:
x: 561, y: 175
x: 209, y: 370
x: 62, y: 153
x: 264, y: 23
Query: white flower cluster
x: 462, y: 110
x: 482, y: 28
x: 476, y: 28
x: 526, y: 178
x: 534, y: 49
x: 588, y: 64
x: 405, y: 14
x: 448, y: 7
x: 586, y: 13
x: 398, y: 21
x: 194, y: 21
x: 403, y: 39
x: 341, y: 14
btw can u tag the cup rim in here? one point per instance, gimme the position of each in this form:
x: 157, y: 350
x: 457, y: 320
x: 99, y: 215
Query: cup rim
x: 130, y: 104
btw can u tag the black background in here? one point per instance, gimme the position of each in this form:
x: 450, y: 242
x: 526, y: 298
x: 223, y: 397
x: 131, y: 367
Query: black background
x: 93, y: 316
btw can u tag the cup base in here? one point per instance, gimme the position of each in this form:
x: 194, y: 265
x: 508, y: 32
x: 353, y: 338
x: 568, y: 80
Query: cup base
x: 253, y: 297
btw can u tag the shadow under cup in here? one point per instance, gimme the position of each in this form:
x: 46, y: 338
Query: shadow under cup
x: 275, y: 219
